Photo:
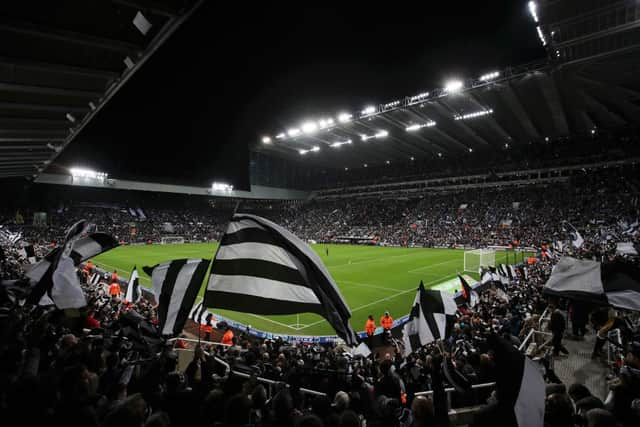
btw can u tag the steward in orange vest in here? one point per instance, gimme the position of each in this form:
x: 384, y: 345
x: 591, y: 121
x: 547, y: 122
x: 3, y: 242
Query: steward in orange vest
x: 227, y: 338
x: 370, y: 326
x: 114, y: 289
x: 386, y: 321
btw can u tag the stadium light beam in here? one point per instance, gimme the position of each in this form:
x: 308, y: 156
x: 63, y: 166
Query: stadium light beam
x: 266, y: 140
x: 281, y: 135
x: 453, y: 86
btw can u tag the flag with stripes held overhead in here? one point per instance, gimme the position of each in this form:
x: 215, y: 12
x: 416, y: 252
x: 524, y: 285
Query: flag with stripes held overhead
x: 94, y: 279
x: 432, y: 317
x: 469, y: 296
x: 176, y: 285
x: 133, y: 293
x: 198, y: 313
x: 261, y: 268
x: 59, y: 287
x: 520, y: 386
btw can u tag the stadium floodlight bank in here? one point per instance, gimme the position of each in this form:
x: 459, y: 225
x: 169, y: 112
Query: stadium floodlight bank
x: 168, y: 240
x: 477, y: 258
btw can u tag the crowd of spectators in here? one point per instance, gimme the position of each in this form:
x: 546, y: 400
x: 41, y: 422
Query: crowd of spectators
x: 107, y: 365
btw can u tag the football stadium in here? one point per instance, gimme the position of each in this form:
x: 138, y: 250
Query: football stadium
x: 321, y: 215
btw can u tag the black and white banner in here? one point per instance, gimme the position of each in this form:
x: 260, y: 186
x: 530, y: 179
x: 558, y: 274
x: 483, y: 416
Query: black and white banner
x: 176, y: 285
x: 262, y: 268
x: 432, y: 317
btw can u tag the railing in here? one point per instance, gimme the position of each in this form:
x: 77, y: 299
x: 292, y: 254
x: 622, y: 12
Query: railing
x: 271, y: 384
x: 614, y: 349
x: 450, y: 390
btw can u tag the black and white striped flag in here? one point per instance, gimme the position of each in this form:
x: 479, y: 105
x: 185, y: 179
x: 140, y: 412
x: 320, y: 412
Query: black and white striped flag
x: 262, y: 268
x: 133, y: 293
x: 432, y: 317
x: 94, y: 279
x: 63, y: 291
x: 198, y: 313
x: 176, y: 285
x: 469, y: 296
x: 520, y: 386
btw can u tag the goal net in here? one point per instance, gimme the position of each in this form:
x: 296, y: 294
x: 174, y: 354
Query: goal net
x: 477, y: 258
x: 165, y: 240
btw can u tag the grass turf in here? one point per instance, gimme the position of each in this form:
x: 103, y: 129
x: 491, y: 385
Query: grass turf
x: 372, y: 279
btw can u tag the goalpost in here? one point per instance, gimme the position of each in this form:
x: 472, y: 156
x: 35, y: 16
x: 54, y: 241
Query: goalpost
x: 165, y: 240
x: 477, y: 258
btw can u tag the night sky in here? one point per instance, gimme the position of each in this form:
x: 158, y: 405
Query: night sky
x: 228, y: 76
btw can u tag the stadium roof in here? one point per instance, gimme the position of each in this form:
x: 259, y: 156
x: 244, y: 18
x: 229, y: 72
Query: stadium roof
x: 530, y: 104
x: 589, y: 81
x: 61, y: 65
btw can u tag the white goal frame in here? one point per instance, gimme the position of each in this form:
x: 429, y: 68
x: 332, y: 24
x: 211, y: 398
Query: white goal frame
x: 477, y: 258
x: 171, y: 240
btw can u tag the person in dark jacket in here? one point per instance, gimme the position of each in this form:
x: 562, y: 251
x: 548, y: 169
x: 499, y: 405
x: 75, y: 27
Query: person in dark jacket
x: 557, y: 325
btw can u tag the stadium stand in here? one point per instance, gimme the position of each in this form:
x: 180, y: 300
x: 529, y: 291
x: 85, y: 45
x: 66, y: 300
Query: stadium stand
x: 551, y: 169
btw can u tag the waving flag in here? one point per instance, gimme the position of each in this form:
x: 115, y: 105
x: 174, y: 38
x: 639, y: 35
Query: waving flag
x: 262, y: 268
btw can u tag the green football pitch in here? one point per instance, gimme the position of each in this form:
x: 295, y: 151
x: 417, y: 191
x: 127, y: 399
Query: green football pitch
x: 372, y: 279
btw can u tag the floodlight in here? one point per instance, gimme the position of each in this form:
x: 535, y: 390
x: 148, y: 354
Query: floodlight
x: 506, y: 145
x: 541, y: 36
x: 453, y: 86
x: 471, y: 150
x: 368, y: 110
x: 391, y: 104
x: 419, y: 96
x: 280, y: 135
x: 340, y: 143
x: 266, y: 140
x: 293, y: 132
x: 344, y: 117
x: 490, y: 76
x: 346, y: 169
x: 474, y: 114
x: 412, y: 158
x: 388, y: 162
x: 382, y: 134
x: 303, y: 152
x: 329, y: 121
x: 593, y: 131
x: 416, y: 127
x: 439, y: 154
x: 322, y: 123
x: 221, y: 187
x: 309, y: 127
x: 315, y: 148
x: 87, y: 173
x: 365, y: 165
x: 533, y: 9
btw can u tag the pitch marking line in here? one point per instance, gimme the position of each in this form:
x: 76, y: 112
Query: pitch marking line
x: 374, y: 259
x: 381, y: 300
x: 124, y: 271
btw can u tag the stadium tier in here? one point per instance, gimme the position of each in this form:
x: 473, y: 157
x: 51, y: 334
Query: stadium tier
x: 198, y: 227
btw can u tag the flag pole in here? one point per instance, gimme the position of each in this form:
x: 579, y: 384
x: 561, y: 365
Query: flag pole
x: 215, y: 254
